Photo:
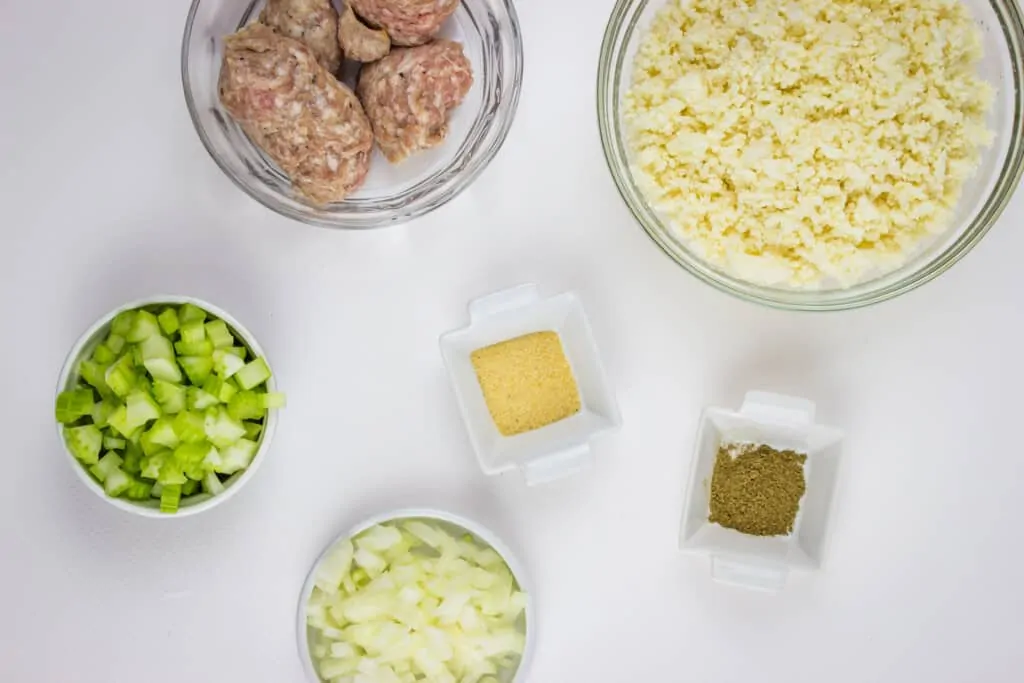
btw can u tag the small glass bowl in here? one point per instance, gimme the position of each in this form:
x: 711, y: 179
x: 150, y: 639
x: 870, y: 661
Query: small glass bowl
x: 489, y: 33
x: 984, y: 197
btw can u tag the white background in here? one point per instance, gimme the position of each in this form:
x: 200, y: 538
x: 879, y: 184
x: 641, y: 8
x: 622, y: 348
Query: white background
x: 107, y: 195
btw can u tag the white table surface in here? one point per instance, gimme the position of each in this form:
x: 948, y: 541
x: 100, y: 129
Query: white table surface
x: 108, y: 195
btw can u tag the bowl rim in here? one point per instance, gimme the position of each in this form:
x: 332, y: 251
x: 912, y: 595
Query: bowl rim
x: 491, y: 140
x: 269, y: 427
x: 480, y: 531
x: 892, y: 284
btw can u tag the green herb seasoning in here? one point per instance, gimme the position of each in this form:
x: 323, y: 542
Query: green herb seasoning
x: 756, y: 489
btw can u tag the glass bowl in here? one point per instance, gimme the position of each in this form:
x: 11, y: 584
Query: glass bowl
x: 489, y: 33
x: 984, y: 196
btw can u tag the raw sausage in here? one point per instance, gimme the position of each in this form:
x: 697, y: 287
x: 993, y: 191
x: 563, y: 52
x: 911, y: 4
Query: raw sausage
x: 359, y: 42
x: 312, y: 126
x: 409, y: 95
x: 408, y: 22
x: 314, y: 22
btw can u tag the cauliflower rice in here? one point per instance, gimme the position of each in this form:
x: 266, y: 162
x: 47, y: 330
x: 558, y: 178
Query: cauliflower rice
x: 802, y: 142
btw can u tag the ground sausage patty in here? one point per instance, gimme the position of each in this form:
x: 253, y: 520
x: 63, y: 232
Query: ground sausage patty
x: 408, y: 22
x: 409, y: 95
x: 314, y: 22
x: 312, y: 126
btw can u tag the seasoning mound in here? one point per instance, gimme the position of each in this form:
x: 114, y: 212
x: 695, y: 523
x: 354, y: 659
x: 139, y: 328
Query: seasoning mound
x: 756, y: 489
x: 527, y: 382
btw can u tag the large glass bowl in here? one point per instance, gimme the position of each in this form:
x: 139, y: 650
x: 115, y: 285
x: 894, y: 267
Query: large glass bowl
x: 489, y: 33
x: 985, y: 195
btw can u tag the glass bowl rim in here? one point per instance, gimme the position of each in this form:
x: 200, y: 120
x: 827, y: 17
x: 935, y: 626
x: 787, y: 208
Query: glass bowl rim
x: 610, y: 64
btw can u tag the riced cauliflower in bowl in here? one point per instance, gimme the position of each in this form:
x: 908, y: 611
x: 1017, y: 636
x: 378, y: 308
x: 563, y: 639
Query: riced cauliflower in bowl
x: 811, y: 154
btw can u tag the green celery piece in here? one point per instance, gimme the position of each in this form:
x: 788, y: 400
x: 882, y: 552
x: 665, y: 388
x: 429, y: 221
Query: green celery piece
x: 199, y: 348
x: 135, y: 438
x: 138, y: 489
x: 188, y: 313
x: 103, y: 354
x: 200, y: 400
x: 168, y: 320
x: 252, y: 430
x: 132, y: 459
x: 227, y: 364
x: 170, y: 498
x: 192, y: 453
x: 198, y: 368
x: 272, y: 399
x: 212, y: 484
x: 246, y: 405
x: 73, y: 404
x: 118, y: 421
x: 239, y: 351
x: 190, y: 427
x: 102, y: 411
x: 136, y: 353
x: 116, y: 482
x: 94, y: 375
x: 217, y: 332
x: 171, y: 397
x: 254, y: 373
x: 122, y: 323
x: 189, y: 487
x: 171, y: 473
x: 196, y: 470
x: 156, y: 490
x: 222, y: 389
x: 84, y: 443
x: 115, y: 343
x: 158, y: 358
x: 162, y: 433
x: 107, y: 464
x: 144, y: 326
x: 236, y: 457
x: 112, y: 443
x: 221, y: 429
x: 150, y: 465
x: 121, y: 376
x: 141, y: 408
x: 192, y: 333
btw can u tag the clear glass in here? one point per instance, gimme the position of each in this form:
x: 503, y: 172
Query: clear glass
x: 984, y: 196
x: 489, y: 33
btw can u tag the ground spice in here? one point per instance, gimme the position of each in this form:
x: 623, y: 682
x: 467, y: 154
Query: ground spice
x: 527, y: 382
x: 756, y: 489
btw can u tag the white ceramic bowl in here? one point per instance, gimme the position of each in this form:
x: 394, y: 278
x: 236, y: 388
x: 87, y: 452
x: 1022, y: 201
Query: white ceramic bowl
x: 192, y: 505
x: 480, y: 534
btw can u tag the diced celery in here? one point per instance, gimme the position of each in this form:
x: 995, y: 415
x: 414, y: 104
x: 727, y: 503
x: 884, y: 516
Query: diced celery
x: 150, y: 465
x: 94, y: 375
x: 112, y: 443
x: 118, y: 421
x: 171, y: 397
x: 116, y: 482
x: 161, y: 435
x: 107, y: 464
x: 138, y: 489
x: 236, y: 457
x: 221, y: 429
x: 198, y: 368
x: 171, y: 473
x: 196, y: 470
x: 84, y: 442
x: 115, y: 343
x: 254, y: 373
x: 212, y: 484
x: 189, y: 487
x: 272, y: 399
x: 200, y: 400
x: 191, y: 314
x: 190, y: 427
x: 103, y: 354
x: 168, y: 320
x: 227, y: 364
x: 132, y: 459
x: 120, y: 376
x: 192, y: 333
x: 217, y: 332
x: 158, y: 358
x: 102, y: 411
x: 141, y: 408
x: 192, y: 453
x: 252, y: 430
x: 135, y: 350
x: 122, y: 323
x: 246, y: 405
x: 156, y: 490
x: 144, y: 326
x: 239, y: 351
x: 199, y: 348
x: 73, y: 404
x: 222, y: 389
x: 170, y: 498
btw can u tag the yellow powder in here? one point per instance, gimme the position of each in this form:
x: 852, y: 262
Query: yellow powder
x: 527, y: 382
